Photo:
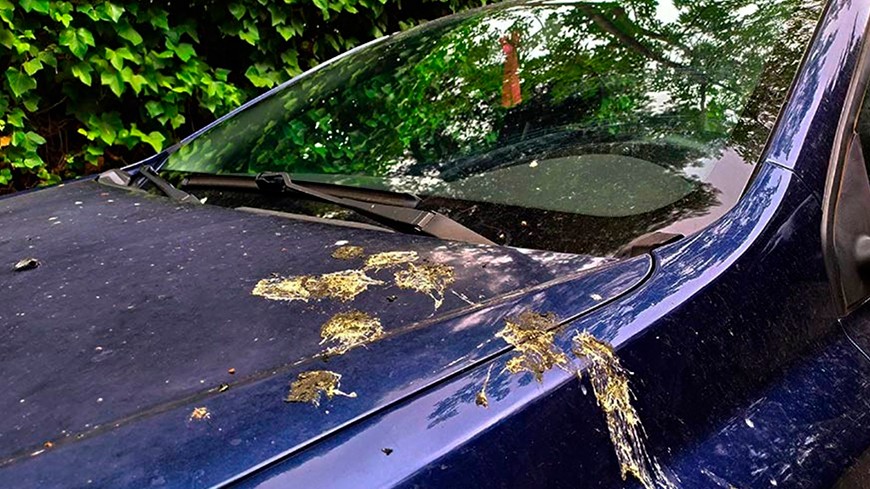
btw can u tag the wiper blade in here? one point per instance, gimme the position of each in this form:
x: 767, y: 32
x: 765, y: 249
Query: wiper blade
x: 166, y: 187
x: 247, y: 182
x: 403, y: 218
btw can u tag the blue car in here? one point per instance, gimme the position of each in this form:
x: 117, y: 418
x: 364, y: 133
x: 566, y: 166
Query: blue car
x: 536, y: 244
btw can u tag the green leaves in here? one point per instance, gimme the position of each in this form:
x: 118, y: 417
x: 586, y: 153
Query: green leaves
x: 19, y: 83
x: 77, y: 41
x: 40, y: 6
x: 90, y: 83
x: 127, y: 31
x: 82, y: 71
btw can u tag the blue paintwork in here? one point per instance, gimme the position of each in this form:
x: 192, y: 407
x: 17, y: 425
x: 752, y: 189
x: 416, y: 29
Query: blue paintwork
x: 742, y: 375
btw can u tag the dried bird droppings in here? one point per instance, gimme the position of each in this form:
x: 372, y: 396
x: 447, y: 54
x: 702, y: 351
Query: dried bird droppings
x: 199, y: 414
x: 610, y: 385
x: 310, y: 386
x: 25, y: 264
x: 344, y: 285
x: 348, y: 252
x: 390, y: 259
x: 431, y: 279
x: 284, y: 289
x: 481, y: 399
x: 347, y: 330
x: 530, y: 333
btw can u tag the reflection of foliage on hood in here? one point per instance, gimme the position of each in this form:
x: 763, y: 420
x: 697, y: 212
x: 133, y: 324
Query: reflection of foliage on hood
x: 609, y: 71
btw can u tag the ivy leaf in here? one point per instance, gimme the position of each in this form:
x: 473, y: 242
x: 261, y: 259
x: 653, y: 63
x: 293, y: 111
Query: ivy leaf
x: 111, y: 11
x: 35, y: 138
x: 159, y: 19
x: 32, y: 66
x: 113, y: 80
x: 77, y: 41
x: 116, y: 60
x: 6, y: 9
x: 19, y: 82
x: 184, y: 51
x: 251, y: 35
x: 127, y: 31
x: 41, y: 6
x: 82, y: 71
x: 154, y: 139
x: 238, y: 10
x: 106, y: 126
x: 85, y: 36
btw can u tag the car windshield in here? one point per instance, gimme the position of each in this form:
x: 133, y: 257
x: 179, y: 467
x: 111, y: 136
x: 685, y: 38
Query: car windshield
x: 561, y: 125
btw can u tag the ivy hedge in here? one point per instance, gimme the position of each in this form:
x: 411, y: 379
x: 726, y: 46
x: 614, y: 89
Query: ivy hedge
x: 89, y: 85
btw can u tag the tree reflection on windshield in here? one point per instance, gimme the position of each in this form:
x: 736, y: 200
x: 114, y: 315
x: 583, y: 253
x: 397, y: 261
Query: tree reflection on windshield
x: 447, y: 110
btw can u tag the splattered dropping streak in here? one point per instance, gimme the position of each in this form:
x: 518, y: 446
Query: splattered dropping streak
x: 530, y: 333
x: 348, y: 252
x: 610, y: 384
x: 481, y: 399
x: 429, y: 278
x: 347, y: 330
x: 344, y: 286
x: 390, y: 259
x: 310, y: 386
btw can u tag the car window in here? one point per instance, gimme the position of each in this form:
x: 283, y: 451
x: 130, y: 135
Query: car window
x: 862, y: 128
x: 529, y: 121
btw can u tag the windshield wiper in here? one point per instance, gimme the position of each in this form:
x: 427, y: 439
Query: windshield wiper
x: 398, y: 217
x: 166, y: 187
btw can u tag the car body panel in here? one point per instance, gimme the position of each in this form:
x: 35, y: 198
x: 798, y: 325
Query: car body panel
x: 740, y: 372
x: 809, y: 120
x: 675, y: 333
x: 122, y: 330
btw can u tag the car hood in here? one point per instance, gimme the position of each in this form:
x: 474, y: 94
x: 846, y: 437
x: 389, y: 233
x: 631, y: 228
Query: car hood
x: 156, y: 342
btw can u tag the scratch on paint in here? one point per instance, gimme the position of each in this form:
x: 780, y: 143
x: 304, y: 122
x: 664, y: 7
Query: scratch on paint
x: 610, y: 384
x: 310, y: 386
x: 530, y: 333
x: 348, y: 330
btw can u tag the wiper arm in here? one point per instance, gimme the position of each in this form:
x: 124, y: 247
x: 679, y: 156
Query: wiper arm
x: 166, y: 187
x: 404, y: 218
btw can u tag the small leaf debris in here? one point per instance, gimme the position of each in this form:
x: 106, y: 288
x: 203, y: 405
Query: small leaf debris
x: 200, y: 414
x: 26, y: 264
x: 387, y: 451
x: 231, y: 371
